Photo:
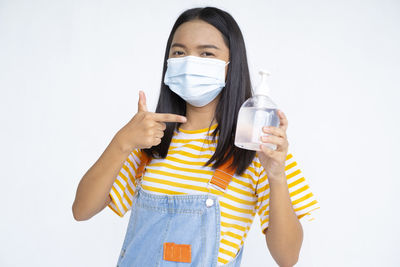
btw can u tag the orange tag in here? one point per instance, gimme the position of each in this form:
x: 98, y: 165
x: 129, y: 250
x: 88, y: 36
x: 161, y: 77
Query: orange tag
x: 177, y: 252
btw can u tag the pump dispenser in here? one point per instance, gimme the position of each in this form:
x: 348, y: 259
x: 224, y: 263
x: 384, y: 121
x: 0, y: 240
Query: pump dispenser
x: 257, y: 112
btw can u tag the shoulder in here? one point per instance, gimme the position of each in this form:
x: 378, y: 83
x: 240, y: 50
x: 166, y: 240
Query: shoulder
x: 255, y: 166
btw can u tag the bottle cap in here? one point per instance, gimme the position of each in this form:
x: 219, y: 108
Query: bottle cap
x: 263, y: 88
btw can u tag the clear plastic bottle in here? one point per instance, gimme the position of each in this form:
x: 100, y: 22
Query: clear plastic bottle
x: 255, y: 113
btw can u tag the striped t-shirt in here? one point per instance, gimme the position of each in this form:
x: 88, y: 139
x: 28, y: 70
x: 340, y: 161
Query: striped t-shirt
x: 183, y: 172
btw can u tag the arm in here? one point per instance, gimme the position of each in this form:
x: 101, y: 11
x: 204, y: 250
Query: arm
x: 284, y: 234
x: 92, y: 194
x: 144, y: 130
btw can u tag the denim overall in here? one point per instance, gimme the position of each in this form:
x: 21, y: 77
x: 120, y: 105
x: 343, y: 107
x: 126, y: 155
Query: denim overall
x: 180, y: 219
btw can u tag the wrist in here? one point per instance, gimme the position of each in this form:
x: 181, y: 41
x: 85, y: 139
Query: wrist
x: 122, y: 144
x: 277, y: 179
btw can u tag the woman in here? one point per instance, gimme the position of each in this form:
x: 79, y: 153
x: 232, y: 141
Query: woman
x: 193, y: 194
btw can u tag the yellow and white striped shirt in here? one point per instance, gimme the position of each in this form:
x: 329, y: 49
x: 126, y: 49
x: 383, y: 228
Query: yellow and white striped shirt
x: 183, y: 172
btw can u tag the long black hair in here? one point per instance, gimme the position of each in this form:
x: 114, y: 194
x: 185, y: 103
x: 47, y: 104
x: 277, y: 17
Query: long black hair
x: 236, y: 91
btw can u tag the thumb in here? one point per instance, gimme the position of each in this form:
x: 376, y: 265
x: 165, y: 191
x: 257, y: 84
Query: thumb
x: 142, y: 102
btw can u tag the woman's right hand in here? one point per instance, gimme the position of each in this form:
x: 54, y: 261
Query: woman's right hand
x: 146, y: 128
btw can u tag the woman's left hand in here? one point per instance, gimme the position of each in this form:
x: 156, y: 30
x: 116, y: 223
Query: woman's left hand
x: 274, y: 161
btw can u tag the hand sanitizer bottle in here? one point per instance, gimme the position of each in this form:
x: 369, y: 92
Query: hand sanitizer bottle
x: 255, y: 113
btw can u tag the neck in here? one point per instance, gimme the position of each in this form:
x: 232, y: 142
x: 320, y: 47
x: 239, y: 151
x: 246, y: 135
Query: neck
x: 200, y: 117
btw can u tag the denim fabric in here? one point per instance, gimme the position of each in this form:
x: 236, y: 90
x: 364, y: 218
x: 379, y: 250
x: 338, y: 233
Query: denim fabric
x: 181, y: 219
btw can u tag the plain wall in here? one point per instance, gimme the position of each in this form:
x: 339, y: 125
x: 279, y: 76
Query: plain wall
x: 70, y: 72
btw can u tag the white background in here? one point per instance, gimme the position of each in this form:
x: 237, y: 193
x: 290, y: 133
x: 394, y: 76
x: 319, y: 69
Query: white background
x: 70, y: 72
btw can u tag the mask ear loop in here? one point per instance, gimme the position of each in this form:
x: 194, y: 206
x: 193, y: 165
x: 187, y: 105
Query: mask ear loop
x: 227, y: 64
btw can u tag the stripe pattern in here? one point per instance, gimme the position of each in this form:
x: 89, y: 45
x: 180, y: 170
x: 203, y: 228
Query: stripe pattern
x: 183, y: 172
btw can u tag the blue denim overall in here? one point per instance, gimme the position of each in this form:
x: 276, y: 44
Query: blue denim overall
x: 182, y: 219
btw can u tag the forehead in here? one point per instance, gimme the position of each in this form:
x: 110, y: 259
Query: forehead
x: 197, y: 32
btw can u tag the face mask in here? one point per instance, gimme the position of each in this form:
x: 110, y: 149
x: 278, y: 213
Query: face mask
x: 197, y: 80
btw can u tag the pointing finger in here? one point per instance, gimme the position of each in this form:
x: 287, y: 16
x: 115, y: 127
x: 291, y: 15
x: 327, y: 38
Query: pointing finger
x: 167, y: 117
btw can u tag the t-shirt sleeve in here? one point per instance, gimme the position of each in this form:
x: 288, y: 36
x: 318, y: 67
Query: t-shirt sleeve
x: 124, y: 186
x: 303, y: 200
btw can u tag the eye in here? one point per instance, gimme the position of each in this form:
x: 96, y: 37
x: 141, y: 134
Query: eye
x: 177, y: 53
x: 207, y: 54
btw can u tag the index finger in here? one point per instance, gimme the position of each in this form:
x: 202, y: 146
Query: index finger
x: 168, y: 117
x: 283, y: 122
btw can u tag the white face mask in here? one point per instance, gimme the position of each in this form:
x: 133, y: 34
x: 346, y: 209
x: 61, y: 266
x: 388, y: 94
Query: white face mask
x: 197, y: 80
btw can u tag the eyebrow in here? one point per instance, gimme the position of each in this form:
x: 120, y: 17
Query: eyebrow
x: 199, y: 46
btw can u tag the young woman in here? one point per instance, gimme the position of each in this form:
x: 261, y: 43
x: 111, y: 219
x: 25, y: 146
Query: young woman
x: 192, y: 193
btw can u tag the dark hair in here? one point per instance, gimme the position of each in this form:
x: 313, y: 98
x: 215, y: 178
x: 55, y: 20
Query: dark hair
x: 237, y: 90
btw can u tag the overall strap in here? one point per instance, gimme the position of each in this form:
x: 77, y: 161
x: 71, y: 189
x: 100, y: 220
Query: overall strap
x: 221, y: 178
x: 144, y: 161
x: 223, y: 175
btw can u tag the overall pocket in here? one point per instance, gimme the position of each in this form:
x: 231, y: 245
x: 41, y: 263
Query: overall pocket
x: 188, y: 229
